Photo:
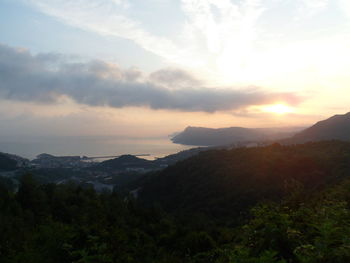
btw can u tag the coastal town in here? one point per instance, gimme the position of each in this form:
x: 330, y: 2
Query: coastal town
x: 96, y: 172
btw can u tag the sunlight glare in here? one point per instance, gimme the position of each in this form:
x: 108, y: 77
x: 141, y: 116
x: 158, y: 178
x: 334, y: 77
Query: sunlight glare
x: 279, y: 109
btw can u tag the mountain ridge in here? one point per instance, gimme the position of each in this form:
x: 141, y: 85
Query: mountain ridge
x: 202, y: 136
x: 336, y: 127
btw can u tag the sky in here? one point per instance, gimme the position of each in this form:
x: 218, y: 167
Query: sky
x: 150, y: 68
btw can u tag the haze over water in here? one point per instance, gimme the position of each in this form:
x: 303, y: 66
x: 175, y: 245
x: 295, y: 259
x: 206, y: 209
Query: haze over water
x: 91, y: 146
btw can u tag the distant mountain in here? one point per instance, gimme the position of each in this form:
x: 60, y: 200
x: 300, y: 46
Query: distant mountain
x: 334, y: 128
x: 200, y: 136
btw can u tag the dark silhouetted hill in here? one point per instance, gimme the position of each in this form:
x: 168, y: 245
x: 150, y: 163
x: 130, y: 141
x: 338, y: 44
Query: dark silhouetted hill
x: 7, y: 163
x: 127, y: 161
x: 334, y: 128
x: 227, y: 182
x: 223, y: 136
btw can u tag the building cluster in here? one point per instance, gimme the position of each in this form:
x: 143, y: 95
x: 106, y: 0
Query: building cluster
x: 45, y: 160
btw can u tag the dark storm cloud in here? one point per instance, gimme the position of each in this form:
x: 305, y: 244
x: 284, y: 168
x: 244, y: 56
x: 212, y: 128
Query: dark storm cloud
x: 45, y: 77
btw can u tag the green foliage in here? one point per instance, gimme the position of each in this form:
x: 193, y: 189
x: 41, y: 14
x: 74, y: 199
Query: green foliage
x: 196, y: 242
x: 227, y: 183
x: 316, y: 231
x: 289, y: 204
x: 237, y: 255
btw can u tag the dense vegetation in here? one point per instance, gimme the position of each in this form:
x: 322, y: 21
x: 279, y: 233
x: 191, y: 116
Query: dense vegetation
x: 227, y: 182
x: 297, y: 211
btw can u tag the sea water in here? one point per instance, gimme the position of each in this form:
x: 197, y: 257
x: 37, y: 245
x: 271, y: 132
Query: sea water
x: 90, y: 146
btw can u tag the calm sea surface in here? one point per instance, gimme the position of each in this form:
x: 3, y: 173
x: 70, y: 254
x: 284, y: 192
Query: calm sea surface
x: 90, y: 146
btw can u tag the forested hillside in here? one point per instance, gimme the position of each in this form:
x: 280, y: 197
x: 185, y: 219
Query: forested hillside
x: 227, y: 182
x: 251, y: 205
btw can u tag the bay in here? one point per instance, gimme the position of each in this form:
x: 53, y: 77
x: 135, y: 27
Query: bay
x: 90, y: 146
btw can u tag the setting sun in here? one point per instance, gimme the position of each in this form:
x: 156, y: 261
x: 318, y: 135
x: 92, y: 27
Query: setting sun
x: 278, y: 109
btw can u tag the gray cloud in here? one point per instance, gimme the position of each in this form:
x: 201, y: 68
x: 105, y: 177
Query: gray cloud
x: 174, y: 78
x: 45, y: 77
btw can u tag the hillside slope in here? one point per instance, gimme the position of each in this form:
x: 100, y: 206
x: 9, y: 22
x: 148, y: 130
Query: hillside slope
x: 228, y: 182
x: 333, y: 128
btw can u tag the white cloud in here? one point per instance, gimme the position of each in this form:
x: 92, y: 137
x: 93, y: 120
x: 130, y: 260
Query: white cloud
x: 104, y: 17
x: 345, y: 6
x: 309, y: 8
x: 315, y: 4
x: 213, y: 29
x: 222, y: 39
